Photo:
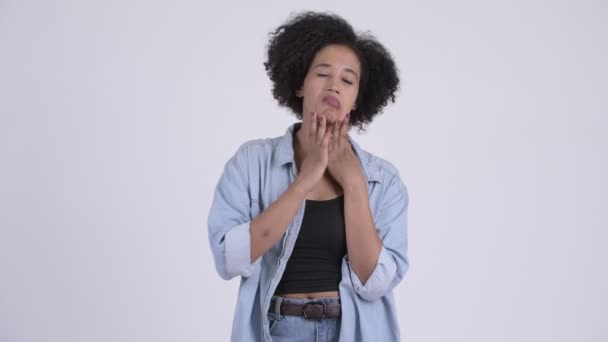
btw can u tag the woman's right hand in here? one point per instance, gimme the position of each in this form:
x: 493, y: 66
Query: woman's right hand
x: 314, y: 150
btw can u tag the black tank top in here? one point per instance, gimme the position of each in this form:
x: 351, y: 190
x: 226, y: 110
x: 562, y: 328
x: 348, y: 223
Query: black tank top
x: 316, y: 261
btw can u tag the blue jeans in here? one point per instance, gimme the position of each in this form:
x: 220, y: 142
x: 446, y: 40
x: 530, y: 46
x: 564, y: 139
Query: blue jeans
x: 287, y: 328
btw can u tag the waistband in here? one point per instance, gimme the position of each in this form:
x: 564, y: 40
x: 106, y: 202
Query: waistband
x: 317, y: 308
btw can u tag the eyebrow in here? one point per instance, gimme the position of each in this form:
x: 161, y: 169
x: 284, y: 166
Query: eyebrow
x: 329, y: 65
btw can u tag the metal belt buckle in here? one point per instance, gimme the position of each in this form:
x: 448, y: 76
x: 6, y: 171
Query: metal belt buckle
x: 311, y: 303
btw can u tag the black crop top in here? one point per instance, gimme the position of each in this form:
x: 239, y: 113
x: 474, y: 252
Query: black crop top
x: 316, y: 261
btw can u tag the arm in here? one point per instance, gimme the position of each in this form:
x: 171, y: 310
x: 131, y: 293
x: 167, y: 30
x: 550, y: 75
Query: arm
x: 229, y: 219
x: 237, y: 239
x: 269, y: 226
x: 362, y: 241
x: 377, y: 252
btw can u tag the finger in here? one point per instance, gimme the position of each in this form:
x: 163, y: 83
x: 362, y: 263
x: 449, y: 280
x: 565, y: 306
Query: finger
x: 313, y: 124
x: 336, y: 130
x: 344, y: 132
x: 330, y: 143
x: 344, y: 127
x: 325, y: 141
x: 321, y: 129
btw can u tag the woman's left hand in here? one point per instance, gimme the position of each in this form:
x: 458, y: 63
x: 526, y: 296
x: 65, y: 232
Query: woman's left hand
x: 343, y: 165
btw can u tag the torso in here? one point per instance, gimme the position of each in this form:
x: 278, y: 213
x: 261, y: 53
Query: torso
x: 326, y: 189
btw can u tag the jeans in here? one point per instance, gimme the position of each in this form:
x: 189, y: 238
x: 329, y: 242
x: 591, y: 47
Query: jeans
x: 288, y: 328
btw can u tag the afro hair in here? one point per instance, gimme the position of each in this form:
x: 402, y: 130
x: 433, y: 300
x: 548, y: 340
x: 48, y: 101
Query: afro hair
x: 294, y: 44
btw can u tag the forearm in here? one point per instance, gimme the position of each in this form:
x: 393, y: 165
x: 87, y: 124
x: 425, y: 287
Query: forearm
x: 268, y: 227
x: 362, y: 240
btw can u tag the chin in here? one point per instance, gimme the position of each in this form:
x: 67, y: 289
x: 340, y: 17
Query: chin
x: 332, y: 114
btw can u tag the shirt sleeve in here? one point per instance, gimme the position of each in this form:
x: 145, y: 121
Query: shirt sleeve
x: 229, y: 219
x: 393, y: 263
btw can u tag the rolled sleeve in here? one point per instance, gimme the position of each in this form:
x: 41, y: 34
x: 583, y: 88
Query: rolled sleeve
x: 229, y: 219
x: 380, y: 279
x: 237, y: 250
x: 391, y: 225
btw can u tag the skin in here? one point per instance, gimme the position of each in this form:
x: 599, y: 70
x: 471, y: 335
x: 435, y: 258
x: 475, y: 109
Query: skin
x: 326, y: 162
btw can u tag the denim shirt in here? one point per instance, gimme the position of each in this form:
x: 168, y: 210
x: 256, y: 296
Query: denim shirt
x: 258, y: 173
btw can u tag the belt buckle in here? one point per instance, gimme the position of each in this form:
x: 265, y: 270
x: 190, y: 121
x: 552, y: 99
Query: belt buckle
x: 311, y: 303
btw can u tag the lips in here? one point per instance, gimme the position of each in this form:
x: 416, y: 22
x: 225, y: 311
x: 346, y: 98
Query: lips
x: 332, y: 101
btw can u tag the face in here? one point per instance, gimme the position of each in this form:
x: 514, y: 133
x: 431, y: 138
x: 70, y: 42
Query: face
x: 331, y: 84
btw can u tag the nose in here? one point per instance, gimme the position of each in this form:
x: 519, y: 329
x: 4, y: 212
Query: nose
x: 332, y: 85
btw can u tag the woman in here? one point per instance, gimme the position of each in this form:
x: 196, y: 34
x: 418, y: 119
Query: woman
x: 314, y: 225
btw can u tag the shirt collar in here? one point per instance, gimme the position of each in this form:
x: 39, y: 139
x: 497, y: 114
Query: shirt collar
x: 284, y: 153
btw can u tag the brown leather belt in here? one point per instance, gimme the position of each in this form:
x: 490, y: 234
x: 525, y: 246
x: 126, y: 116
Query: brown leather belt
x: 311, y: 310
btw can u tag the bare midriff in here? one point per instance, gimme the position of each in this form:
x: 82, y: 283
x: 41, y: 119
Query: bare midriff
x: 311, y: 295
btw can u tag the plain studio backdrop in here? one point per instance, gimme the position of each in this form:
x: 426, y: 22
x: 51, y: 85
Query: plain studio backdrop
x: 117, y: 118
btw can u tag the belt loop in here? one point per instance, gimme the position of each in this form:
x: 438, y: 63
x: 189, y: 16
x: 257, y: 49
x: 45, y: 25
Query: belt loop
x: 277, y: 307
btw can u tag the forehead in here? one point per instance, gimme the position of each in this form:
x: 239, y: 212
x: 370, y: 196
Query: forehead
x: 338, y: 56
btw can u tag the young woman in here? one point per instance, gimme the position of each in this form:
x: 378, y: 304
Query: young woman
x: 315, y: 226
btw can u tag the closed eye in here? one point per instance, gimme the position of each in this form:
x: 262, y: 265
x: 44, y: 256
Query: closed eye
x: 345, y: 80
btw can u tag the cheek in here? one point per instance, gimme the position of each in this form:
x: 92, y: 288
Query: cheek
x: 311, y: 89
x: 353, y: 95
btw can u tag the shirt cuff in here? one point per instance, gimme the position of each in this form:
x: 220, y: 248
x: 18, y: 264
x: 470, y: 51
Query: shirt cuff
x: 237, y: 251
x: 380, y: 279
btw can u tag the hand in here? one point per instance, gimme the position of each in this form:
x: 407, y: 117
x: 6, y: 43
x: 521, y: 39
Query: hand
x: 343, y: 164
x: 314, y: 148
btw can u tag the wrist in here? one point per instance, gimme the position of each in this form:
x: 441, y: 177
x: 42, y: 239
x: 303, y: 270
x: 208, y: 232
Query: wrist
x: 300, y: 188
x: 355, y: 184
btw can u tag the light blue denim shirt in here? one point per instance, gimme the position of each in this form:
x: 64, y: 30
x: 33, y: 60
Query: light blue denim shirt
x: 258, y: 173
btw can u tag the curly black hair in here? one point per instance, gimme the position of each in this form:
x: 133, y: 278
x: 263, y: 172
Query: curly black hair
x: 294, y: 44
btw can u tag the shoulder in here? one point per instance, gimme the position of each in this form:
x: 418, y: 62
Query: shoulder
x: 382, y: 169
x: 256, y: 145
x: 386, y: 168
x: 259, y: 150
x: 391, y: 188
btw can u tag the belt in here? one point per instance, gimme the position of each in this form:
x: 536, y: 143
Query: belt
x: 314, y: 309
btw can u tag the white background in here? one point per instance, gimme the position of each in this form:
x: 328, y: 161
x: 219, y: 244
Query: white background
x: 117, y: 118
